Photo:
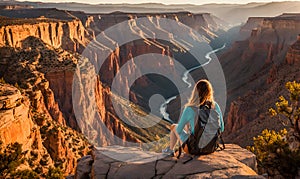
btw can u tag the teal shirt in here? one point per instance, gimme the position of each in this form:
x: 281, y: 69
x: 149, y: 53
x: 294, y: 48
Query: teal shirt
x: 188, y: 116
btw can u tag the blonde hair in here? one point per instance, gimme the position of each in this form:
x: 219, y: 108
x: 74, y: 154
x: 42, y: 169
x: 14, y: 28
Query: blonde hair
x: 202, y: 93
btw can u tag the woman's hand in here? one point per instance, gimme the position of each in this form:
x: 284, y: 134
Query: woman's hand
x: 173, y: 127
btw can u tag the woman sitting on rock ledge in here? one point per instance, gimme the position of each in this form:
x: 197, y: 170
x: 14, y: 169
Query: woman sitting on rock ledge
x: 201, y: 102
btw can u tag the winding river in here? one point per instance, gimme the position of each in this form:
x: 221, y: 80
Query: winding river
x: 163, y: 107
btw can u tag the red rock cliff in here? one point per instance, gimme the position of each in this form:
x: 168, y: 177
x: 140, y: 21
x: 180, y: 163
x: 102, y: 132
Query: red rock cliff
x: 16, y: 123
x: 70, y: 35
x: 41, y: 126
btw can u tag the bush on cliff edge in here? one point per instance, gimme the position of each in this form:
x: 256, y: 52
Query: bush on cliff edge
x: 278, y: 153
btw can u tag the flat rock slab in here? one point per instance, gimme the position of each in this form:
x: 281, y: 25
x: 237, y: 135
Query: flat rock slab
x: 130, y: 162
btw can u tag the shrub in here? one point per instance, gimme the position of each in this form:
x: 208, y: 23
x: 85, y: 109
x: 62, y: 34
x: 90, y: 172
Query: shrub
x: 54, y: 173
x: 35, y: 144
x: 38, y: 169
x: 43, y: 162
x: 274, y: 152
x: 290, y: 109
x: 44, y: 130
x: 274, y: 155
x: 34, y: 155
x: 10, y: 158
x: 26, y: 174
x: 81, y: 148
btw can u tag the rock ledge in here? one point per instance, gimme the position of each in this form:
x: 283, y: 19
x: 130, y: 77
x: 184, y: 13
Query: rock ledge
x: 233, y: 162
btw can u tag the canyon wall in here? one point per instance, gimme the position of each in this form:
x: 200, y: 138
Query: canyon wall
x: 250, y: 27
x: 30, y: 111
x: 203, y: 23
x: 70, y: 35
x: 266, y: 61
x: 16, y: 123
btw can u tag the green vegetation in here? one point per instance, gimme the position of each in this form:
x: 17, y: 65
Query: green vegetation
x: 278, y: 153
x: 54, y: 173
x: 39, y: 118
x: 274, y: 155
x: 10, y: 158
x: 26, y: 174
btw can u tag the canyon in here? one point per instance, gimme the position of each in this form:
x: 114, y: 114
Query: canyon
x: 46, y: 53
x: 40, y: 56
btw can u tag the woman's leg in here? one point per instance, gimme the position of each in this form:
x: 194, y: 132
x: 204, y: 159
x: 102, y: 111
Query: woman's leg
x: 174, y: 137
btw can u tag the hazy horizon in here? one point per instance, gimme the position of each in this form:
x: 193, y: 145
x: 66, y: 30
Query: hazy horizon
x: 166, y: 2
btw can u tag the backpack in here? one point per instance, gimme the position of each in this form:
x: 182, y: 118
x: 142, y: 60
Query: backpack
x: 207, y: 137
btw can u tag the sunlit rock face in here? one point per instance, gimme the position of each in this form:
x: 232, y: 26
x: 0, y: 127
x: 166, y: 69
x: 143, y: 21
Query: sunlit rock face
x: 30, y: 111
x: 70, y: 35
x: 16, y: 124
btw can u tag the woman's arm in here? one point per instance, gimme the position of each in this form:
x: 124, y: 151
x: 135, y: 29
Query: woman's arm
x: 218, y: 109
x: 187, y: 116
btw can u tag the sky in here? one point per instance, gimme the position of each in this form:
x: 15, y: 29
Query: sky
x: 160, y: 1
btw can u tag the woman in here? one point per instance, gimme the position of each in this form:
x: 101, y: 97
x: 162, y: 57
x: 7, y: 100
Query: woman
x: 202, y: 94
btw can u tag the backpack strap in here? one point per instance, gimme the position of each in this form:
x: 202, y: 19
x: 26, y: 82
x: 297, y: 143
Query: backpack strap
x: 179, y: 152
x: 223, y: 143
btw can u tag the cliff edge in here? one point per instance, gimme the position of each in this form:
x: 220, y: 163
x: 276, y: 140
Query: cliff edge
x: 233, y: 162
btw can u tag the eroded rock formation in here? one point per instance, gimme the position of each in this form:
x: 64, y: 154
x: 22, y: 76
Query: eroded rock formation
x: 33, y: 116
x: 69, y: 35
x: 16, y: 124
